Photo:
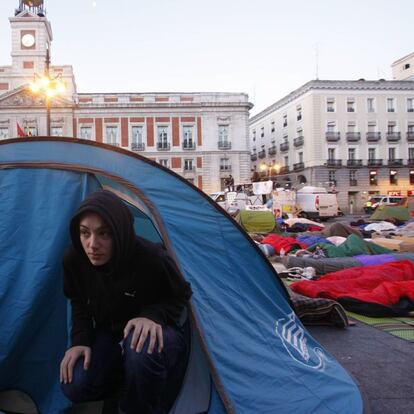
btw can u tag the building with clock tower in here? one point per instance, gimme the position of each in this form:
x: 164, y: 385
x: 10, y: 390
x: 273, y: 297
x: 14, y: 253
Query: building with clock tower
x: 201, y: 136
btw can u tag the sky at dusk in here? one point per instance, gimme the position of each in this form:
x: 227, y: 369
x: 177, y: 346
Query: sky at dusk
x: 265, y: 48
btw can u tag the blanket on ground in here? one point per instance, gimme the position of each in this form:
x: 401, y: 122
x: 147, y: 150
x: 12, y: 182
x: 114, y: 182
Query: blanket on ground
x: 280, y: 242
x: 381, y: 290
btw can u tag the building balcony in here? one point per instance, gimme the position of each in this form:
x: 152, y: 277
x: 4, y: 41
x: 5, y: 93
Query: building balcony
x: 284, y: 170
x: 393, y: 136
x: 225, y: 168
x: 163, y: 146
x: 253, y: 157
x: 137, y: 146
x: 298, y: 141
x: 189, y: 170
x: 334, y: 163
x: 410, y: 162
x: 188, y: 145
x: 262, y: 153
x: 410, y: 136
x: 354, y: 163
x: 396, y: 162
x: 272, y: 150
x: 353, y: 136
x: 374, y: 163
x: 373, y: 136
x: 333, y: 136
x: 298, y: 166
x: 114, y: 144
x: 224, y: 145
x: 353, y: 183
x: 284, y: 146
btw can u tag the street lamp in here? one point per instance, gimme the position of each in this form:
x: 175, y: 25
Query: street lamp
x: 47, y: 86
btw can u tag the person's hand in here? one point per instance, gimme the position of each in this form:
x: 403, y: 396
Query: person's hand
x: 143, y: 328
x: 69, y: 360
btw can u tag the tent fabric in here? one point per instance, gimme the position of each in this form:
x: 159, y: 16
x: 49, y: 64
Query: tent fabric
x: 388, y: 212
x: 260, y: 357
x: 380, y: 290
x: 256, y: 221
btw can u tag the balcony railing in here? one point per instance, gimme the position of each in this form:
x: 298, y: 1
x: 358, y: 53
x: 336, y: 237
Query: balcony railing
x: 298, y: 166
x: 163, y: 146
x: 354, y: 163
x: 374, y: 162
x: 333, y: 136
x: 298, y: 141
x: 393, y: 136
x: 284, y: 146
x: 353, y: 183
x: 284, y: 170
x: 253, y: 157
x: 410, y: 136
x: 262, y: 153
x: 373, y: 136
x: 189, y: 170
x: 225, y: 168
x: 137, y: 146
x: 353, y: 136
x: 396, y: 162
x: 114, y: 144
x: 189, y: 145
x: 224, y: 145
x: 334, y: 163
x: 272, y: 150
x: 410, y: 162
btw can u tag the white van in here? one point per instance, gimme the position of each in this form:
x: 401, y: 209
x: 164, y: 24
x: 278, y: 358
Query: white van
x: 316, y: 203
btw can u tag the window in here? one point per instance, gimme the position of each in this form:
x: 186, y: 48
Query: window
x: 162, y: 137
x: 351, y: 126
x: 391, y: 127
x: 224, y: 134
x: 300, y: 157
x: 188, y: 133
x: 31, y: 131
x: 370, y: 105
x: 285, y: 121
x: 411, y: 176
x: 332, y: 177
x: 411, y: 153
x: 390, y: 105
x: 262, y: 132
x: 298, y: 112
x: 410, y: 105
x: 406, y: 66
x: 188, y: 165
x: 137, y: 134
x: 393, y: 177
x: 331, y: 154
x: 410, y: 128
x: 86, y: 132
x: 350, y: 105
x: 351, y: 153
x: 272, y: 126
x: 225, y: 164
x: 56, y: 131
x: 352, y: 175
x: 391, y: 153
x: 285, y: 138
x: 371, y: 153
x: 4, y: 133
x: 111, y: 135
x: 330, y: 127
x: 330, y: 105
x: 286, y: 161
x: 254, y: 135
x: 373, y: 180
x: 164, y: 163
x: 372, y: 126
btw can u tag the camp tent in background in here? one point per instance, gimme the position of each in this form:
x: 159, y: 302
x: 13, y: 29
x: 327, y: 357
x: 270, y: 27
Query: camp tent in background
x: 388, y: 212
x: 258, y: 355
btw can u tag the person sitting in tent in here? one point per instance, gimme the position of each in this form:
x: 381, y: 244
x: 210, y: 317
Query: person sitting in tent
x: 128, y: 299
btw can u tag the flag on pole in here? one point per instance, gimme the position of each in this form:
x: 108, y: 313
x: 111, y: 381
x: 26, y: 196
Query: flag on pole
x: 20, y: 132
x: 27, y: 131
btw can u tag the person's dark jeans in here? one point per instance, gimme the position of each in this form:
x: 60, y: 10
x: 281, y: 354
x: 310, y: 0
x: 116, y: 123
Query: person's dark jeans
x: 149, y: 383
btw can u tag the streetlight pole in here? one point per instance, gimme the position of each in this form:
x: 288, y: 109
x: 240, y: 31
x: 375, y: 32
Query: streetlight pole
x: 47, y: 98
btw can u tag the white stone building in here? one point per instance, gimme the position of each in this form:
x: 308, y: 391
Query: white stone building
x: 355, y: 135
x: 201, y: 136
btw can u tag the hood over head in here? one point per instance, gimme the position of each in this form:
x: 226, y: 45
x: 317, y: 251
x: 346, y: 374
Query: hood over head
x: 116, y: 215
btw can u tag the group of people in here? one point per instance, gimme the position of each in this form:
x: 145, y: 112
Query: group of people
x: 129, y: 334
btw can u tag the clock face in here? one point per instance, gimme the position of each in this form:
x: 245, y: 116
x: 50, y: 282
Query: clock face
x: 28, y: 40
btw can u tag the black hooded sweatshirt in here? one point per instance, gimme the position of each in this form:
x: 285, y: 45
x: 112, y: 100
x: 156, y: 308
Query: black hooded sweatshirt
x: 140, y: 280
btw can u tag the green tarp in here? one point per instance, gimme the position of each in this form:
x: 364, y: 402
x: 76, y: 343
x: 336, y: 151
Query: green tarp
x: 386, y: 212
x: 352, y: 246
x: 254, y: 221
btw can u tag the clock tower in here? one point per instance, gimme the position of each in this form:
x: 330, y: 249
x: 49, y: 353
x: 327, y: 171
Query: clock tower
x: 31, y: 38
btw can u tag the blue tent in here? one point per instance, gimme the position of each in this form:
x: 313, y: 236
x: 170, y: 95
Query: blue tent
x: 251, y: 353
